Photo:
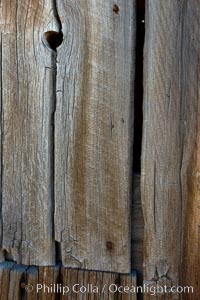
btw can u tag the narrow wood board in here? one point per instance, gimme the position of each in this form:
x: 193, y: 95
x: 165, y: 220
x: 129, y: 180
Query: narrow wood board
x: 170, y: 162
x: 5, y: 269
x: 27, y: 105
x: 48, y: 279
x: 32, y: 278
x: 16, y: 277
x: 190, y: 167
x: 93, y: 133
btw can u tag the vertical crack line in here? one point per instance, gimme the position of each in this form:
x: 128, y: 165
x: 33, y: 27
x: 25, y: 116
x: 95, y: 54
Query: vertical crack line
x: 182, y: 78
x: 138, y: 109
x: 154, y: 198
x: 19, y: 105
x: 56, y: 15
x: 138, y: 93
x: 52, y: 137
x: 52, y: 40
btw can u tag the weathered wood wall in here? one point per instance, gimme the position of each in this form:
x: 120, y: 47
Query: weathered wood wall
x: 66, y: 135
x: 67, y: 132
x: 170, y: 155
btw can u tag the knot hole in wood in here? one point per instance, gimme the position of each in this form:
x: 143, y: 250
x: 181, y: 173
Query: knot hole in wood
x: 53, y: 39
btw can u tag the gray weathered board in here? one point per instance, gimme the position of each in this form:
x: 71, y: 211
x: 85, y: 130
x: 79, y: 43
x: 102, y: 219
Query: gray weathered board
x: 93, y: 133
x: 27, y: 104
x: 66, y: 132
x: 170, y: 156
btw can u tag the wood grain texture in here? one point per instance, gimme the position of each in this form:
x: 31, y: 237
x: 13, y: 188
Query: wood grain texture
x: 162, y: 142
x: 93, y: 133
x: 21, y: 282
x: 16, y: 277
x: 99, y: 285
x: 170, y: 162
x: 48, y: 278
x: 190, y: 170
x: 31, y: 279
x: 128, y: 281
x: 27, y: 104
x: 5, y: 269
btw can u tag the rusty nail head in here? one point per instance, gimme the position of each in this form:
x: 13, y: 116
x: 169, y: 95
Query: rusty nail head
x: 109, y: 245
x: 116, y: 9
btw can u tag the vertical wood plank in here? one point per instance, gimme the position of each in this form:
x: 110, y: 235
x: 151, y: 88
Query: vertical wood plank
x: 16, y: 275
x: 5, y: 269
x: 32, y: 280
x: 70, y: 278
x: 48, y: 278
x: 2, y: 254
x: 93, y: 133
x: 27, y: 104
x: 130, y: 282
x: 190, y: 167
x: 162, y: 142
x: 170, y: 162
x: 94, y: 277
